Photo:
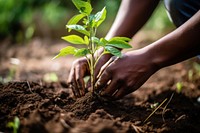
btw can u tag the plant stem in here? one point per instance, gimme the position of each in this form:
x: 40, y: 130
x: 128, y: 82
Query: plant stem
x: 99, y: 56
x: 92, y: 59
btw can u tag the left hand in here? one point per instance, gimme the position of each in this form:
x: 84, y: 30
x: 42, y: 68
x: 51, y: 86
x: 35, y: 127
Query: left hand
x: 121, y: 76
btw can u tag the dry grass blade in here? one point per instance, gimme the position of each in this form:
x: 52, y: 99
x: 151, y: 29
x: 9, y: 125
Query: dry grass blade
x: 155, y: 110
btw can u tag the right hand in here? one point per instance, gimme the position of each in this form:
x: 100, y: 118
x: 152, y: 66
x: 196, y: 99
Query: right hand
x: 79, y: 70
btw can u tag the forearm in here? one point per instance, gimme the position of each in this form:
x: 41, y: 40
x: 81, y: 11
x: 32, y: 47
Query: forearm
x: 132, y: 15
x: 179, y: 45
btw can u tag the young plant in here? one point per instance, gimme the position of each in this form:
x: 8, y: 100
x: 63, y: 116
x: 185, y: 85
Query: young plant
x: 14, y: 124
x: 87, y: 24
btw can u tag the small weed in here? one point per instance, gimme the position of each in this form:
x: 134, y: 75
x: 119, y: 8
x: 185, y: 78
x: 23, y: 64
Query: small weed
x: 153, y: 106
x: 156, y: 106
x: 194, y: 73
x: 179, y: 87
x: 155, y: 110
x: 14, y: 124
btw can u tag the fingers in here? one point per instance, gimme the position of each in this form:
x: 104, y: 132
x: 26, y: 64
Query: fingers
x: 75, y: 79
x: 106, y: 65
x: 71, y: 81
x: 121, y: 92
x: 79, y: 75
x: 103, y: 80
x: 111, y: 88
x: 104, y: 76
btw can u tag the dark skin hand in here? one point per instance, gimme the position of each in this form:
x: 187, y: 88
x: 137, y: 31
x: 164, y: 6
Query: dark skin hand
x: 125, y: 75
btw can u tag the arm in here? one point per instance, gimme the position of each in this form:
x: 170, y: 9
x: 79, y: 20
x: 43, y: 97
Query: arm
x: 132, y: 15
x: 128, y: 73
x: 181, y: 44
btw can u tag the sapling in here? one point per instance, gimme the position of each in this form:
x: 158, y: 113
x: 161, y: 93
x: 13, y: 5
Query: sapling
x: 87, y: 24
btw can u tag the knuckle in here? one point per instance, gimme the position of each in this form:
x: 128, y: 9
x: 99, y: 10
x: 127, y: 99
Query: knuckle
x: 108, y: 71
x: 77, y: 62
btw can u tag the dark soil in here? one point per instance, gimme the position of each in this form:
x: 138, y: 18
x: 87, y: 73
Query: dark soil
x: 50, y: 107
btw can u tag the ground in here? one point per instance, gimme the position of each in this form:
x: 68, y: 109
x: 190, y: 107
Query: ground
x: 49, y: 107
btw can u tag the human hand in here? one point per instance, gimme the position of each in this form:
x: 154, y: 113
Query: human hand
x: 79, y: 70
x: 121, y: 76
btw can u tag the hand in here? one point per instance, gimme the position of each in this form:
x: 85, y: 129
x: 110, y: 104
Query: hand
x: 121, y: 76
x: 79, y: 70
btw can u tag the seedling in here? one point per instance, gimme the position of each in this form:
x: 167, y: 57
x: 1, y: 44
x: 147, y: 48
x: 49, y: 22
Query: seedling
x: 87, y: 24
x: 14, y: 124
x: 153, y: 106
x: 179, y: 86
x: 194, y: 73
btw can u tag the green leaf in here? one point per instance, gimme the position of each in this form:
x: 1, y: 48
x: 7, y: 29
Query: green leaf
x: 10, y: 124
x: 126, y: 39
x: 119, y: 44
x: 66, y: 51
x: 99, y: 17
x: 82, y: 6
x: 81, y: 52
x: 76, y: 19
x: 114, y: 51
x: 78, y: 28
x: 103, y: 42
x: 91, y: 21
x: 95, y: 40
x: 86, y: 39
x: 179, y: 87
x: 17, y: 122
x: 74, y: 39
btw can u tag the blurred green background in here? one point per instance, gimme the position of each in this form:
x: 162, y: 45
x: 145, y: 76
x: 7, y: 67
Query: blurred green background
x: 23, y: 19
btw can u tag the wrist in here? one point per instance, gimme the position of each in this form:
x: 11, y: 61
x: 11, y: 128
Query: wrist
x: 152, y: 58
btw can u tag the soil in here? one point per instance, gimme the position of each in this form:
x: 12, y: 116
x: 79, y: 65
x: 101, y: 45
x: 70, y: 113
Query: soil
x: 49, y: 107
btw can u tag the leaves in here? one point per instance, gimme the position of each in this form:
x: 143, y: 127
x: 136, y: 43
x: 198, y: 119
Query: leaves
x: 82, y: 6
x: 119, y: 42
x: 72, y: 50
x: 99, y: 17
x: 102, y: 42
x: 95, y: 40
x: 15, y: 124
x: 66, y: 51
x: 81, y: 52
x: 86, y: 39
x: 114, y: 51
x: 126, y: 39
x: 76, y: 19
x: 78, y: 28
x: 75, y: 39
